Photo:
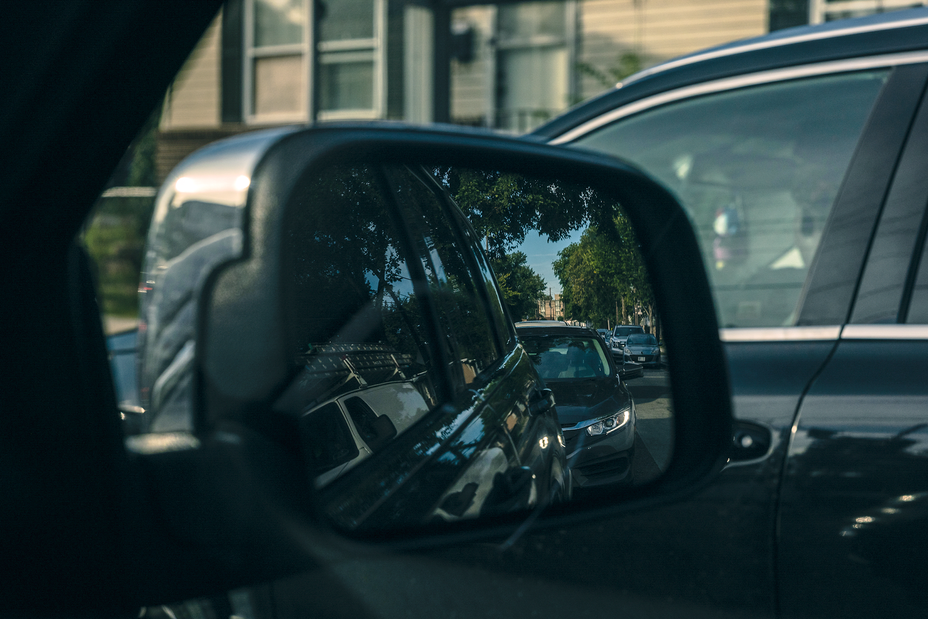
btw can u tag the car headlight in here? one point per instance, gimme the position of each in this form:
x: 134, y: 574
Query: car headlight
x: 607, y: 425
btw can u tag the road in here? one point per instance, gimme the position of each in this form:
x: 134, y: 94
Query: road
x: 654, y: 443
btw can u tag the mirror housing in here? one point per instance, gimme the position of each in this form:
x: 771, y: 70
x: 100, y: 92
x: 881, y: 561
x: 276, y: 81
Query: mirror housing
x: 242, y: 364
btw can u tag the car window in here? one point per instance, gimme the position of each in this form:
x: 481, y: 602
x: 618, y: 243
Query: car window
x: 371, y: 330
x: 565, y: 357
x: 457, y: 292
x: 758, y: 170
x: 641, y: 338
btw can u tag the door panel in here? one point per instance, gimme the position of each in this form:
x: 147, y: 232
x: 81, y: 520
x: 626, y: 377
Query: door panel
x: 853, y: 516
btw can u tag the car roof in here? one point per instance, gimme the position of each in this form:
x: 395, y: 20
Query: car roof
x: 555, y: 328
x: 873, y: 35
x: 541, y: 323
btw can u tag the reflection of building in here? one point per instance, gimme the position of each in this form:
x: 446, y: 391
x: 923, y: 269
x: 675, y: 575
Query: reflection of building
x: 551, y: 308
x: 508, y: 66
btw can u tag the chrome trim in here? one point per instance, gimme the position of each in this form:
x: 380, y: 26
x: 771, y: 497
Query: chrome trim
x: 885, y: 332
x: 742, y: 81
x: 781, y: 334
x: 768, y: 44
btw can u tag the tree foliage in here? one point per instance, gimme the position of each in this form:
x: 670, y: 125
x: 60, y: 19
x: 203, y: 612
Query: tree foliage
x: 520, y: 284
x: 603, y: 275
x: 504, y: 207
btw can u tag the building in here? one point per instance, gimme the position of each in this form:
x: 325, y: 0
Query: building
x: 551, y: 308
x: 507, y: 66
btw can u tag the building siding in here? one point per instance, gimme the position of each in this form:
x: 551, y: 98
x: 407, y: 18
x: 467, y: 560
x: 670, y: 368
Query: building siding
x: 194, y: 98
x: 658, y: 30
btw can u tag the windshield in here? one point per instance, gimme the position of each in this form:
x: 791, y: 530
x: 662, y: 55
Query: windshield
x: 624, y: 331
x: 565, y: 357
x: 641, y: 339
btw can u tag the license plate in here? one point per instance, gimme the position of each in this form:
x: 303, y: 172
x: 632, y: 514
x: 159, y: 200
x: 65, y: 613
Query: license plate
x: 640, y: 358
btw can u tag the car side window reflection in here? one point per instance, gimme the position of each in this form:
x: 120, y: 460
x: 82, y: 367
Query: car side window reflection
x: 758, y: 169
x: 457, y: 295
x: 357, y: 321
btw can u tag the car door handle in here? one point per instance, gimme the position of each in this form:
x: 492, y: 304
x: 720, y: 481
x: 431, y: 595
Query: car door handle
x: 749, y: 441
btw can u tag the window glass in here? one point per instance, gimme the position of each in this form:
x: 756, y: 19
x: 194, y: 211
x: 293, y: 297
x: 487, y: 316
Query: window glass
x: 278, y: 84
x: 278, y: 22
x: 495, y: 307
x: 532, y: 19
x: 457, y: 294
x: 347, y: 85
x: 347, y: 19
x: 532, y: 63
x: 558, y: 357
x: 327, y: 439
x: 355, y: 313
x: 758, y: 170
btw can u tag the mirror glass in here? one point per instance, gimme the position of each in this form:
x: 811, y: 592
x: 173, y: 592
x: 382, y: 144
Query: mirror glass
x: 469, y: 343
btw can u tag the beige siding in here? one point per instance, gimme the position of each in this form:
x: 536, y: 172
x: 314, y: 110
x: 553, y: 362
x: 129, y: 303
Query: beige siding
x: 193, y: 100
x: 658, y: 30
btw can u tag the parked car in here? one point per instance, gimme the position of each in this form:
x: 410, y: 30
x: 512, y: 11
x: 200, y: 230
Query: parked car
x: 595, y: 408
x: 642, y: 348
x: 811, y: 223
x: 620, y: 333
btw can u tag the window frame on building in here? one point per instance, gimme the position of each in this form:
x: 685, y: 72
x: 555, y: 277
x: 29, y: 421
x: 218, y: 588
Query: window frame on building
x: 314, y: 57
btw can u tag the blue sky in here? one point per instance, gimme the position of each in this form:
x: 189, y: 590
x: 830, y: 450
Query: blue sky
x: 541, y: 253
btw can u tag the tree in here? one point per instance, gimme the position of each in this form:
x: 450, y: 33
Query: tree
x: 604, y: 270
x: 521, y: 286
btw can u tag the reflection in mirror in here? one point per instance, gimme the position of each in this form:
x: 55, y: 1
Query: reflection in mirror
x: 417, y: 397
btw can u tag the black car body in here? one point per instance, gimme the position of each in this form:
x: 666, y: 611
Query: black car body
x: 642, y: 348
x: 595, y: 408
x: 822, y: 298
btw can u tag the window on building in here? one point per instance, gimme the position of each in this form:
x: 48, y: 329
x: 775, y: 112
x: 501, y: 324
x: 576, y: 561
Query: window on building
x: 351, y: 59
x: 830, y: 10
x: 279, y: 62
x: 534, y: 60
x: 276, y: 60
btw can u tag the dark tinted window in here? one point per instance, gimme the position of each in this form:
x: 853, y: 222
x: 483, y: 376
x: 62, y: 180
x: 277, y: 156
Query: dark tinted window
x: 457, y: 293
x: 356, y: 316
x: 327, y: 439
x: 641, y: 339
x: 758, y: 170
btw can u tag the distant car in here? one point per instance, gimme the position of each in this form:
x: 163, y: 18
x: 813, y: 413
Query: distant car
x: 595, y: 408
x: 642, y: 348
x: 606, y: 334
x: 619, y: 334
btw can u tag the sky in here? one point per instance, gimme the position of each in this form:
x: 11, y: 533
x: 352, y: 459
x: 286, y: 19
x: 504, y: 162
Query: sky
x: 542, y: 253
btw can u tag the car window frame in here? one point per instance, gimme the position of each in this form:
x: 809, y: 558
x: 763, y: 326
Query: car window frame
x: 860, y: 198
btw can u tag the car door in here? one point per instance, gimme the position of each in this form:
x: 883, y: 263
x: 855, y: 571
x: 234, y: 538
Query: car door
x: 852, y: 516
x: 783, y: 174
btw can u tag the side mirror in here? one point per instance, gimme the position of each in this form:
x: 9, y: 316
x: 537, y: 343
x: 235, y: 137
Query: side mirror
x: 341, y: 308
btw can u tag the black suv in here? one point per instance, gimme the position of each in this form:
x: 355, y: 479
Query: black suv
x: 800, y: 157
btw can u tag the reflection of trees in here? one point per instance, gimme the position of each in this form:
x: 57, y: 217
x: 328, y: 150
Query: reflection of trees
x: 520, y: 285
x: 349, y: 285
x: 503, y: 208
x: 602, y: 271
